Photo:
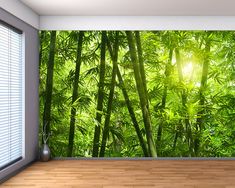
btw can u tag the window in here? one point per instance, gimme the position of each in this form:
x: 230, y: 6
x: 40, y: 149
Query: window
x: 11, y: 95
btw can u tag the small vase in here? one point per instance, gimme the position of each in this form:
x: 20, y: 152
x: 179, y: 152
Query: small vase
x: 45, y: 153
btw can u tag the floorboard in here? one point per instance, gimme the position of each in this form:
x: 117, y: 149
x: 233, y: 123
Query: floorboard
x: 126, y: 174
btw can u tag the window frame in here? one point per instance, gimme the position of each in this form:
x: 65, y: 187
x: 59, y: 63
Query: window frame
x: 19, y: 159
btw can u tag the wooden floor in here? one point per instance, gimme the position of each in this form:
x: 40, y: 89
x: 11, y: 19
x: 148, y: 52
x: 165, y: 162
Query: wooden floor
x: 124, y: 174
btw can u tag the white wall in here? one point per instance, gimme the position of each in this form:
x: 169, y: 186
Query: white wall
x: 137, y: 22
x: 31, y: 58
x: 21, y: 11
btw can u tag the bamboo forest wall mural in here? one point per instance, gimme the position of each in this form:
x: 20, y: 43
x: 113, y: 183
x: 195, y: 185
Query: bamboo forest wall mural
x: 138, y: 93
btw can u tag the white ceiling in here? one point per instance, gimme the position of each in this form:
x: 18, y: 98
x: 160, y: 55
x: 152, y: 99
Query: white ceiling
x: 132, y: 7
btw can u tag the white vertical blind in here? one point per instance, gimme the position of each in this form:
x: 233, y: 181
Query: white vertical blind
x: 11, y: 95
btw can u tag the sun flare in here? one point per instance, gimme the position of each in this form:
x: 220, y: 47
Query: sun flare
x: 188, y: 69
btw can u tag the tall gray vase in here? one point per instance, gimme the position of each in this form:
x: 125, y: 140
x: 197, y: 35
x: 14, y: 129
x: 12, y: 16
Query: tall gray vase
x: 45, y: 153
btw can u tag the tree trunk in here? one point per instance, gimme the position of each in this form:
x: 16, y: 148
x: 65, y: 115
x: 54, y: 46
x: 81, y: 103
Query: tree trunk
x: 175, y: 140
x: 141, y: 92
x: 100, y: 99
x: 132, y: 115
x: 129, y: 106
x: 75, y: 94
x: 167, y: 74
x: 141, y: 64
x: 42, y: 36
x: 200, y: 114
x: 110, y: 99
x: 184, y: 102
x: 49, y: 84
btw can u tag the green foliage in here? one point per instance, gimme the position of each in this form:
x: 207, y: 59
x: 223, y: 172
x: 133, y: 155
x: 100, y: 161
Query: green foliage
x: 217, y: 137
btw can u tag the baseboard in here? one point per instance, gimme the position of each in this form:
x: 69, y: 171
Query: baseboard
x: 144, y: 158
